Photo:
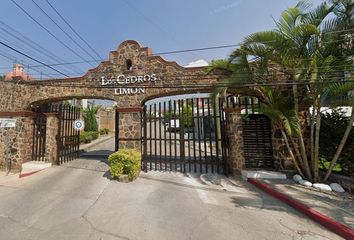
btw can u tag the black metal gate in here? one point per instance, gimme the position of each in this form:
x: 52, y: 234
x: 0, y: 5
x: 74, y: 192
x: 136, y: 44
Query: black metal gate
x: 39, y: 137
x: 186, y: 135
x: 257, y: 141
x: 68, y: 138
x: 256, y: 131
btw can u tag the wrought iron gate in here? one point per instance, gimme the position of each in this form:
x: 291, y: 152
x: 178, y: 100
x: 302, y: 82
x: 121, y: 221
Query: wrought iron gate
x: 68, y: 138
x: 186, y: 135
x: 39, y: 137
x: 257, y: 141
x: 256, y: 130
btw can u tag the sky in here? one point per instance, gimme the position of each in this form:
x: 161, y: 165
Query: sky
x: 161, y: 25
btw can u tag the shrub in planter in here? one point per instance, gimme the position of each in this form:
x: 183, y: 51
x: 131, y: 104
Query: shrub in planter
x: 125, y: 162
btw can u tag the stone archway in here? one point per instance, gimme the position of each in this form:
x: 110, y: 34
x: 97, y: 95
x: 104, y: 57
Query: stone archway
x: 130, y: 76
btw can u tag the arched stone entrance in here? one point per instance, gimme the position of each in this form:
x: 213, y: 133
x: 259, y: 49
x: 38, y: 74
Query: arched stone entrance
x: 131, y: 76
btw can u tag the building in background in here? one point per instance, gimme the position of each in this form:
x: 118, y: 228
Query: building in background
x: 18, y: 73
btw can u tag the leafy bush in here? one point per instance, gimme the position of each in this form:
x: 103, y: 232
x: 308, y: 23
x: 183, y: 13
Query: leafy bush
x: 90, y: 113
x: 87, y: 137
x: 332, y: 129
x: 104, y: 131
x: 125, y: 162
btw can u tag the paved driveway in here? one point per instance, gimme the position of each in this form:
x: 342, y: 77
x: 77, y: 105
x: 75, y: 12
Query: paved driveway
x: 73, y: 202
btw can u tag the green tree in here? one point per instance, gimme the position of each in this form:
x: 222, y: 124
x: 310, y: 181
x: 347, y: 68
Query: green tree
x: 90, y: 113
x: 187, y: 116
x: 308, y: 45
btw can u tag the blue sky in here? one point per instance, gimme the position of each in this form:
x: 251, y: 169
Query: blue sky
x: 160, y: 25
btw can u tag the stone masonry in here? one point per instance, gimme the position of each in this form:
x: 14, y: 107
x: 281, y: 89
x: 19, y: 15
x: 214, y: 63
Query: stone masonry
x: 19, y: 140
x: 234, y: 132
x: 130, y: 69
x: 51, y: 140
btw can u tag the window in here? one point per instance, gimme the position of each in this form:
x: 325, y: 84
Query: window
x: 129, y: 64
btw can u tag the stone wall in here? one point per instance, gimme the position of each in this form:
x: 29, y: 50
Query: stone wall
x: 51, y: 146
x: 236, y: 159
x: 107, y: 119
x: 19, y: 141
x: 129, y: 128
x: 171, y: 79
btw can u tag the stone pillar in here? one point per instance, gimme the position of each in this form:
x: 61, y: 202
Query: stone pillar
x: 129, y: 127
x: 236, y: 159
x: 19, y: 139
x: 51, y: 145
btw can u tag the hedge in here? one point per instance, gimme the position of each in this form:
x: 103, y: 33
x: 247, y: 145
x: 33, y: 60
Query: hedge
x: 125, y: 162
x: 87, y: 137
x: 104, y: 131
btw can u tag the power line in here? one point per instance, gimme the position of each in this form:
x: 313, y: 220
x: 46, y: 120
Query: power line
x: 173, y: 52
x: 12, y: 58
x: 72, y: 29
x: 33, y: 59
x: 20, y: 48
x: 49, y: 32
x: 147, y: 18
x: 73, y: 40
x: 22, y: 38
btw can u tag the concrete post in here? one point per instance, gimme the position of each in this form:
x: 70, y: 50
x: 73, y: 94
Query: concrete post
x: 236, y: 158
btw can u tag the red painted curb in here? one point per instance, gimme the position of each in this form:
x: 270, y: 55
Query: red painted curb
x: 329, y: 223
x: 27, y: 174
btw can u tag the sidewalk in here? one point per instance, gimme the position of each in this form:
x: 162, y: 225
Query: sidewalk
x: 339, y: 207
x: 101, y: 139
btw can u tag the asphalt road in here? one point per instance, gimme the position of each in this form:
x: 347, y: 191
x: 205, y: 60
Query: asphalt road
x: 78, y: 200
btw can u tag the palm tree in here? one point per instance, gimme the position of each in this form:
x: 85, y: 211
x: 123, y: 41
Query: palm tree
x: 307, y: 46
x: 340, y: 94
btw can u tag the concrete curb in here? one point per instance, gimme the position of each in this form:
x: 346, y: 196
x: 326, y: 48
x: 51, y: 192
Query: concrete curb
x: 21, y: 175
x: 95, y: 143
x: 329, y: 223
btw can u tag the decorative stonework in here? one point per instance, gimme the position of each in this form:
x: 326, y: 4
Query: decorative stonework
x: 130, y: 59
x: 129, y: 130
x: 19, y: 142
x: 234, y: 132
x: 19, y: 96
x: 51, y: 150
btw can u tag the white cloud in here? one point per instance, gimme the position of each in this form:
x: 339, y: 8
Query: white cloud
x: 198, y: 63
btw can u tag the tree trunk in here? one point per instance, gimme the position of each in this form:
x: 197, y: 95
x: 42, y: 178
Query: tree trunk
x: 291, y: 153
x: 301, y: 139
x: 341, y: 146
x: 317, y: 142
x: 312, y: 135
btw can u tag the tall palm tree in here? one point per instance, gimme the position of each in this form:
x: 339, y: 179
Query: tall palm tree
x: 308, y: 48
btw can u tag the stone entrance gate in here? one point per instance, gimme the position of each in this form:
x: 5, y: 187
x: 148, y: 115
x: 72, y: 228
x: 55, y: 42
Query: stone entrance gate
x: 131, y: 76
